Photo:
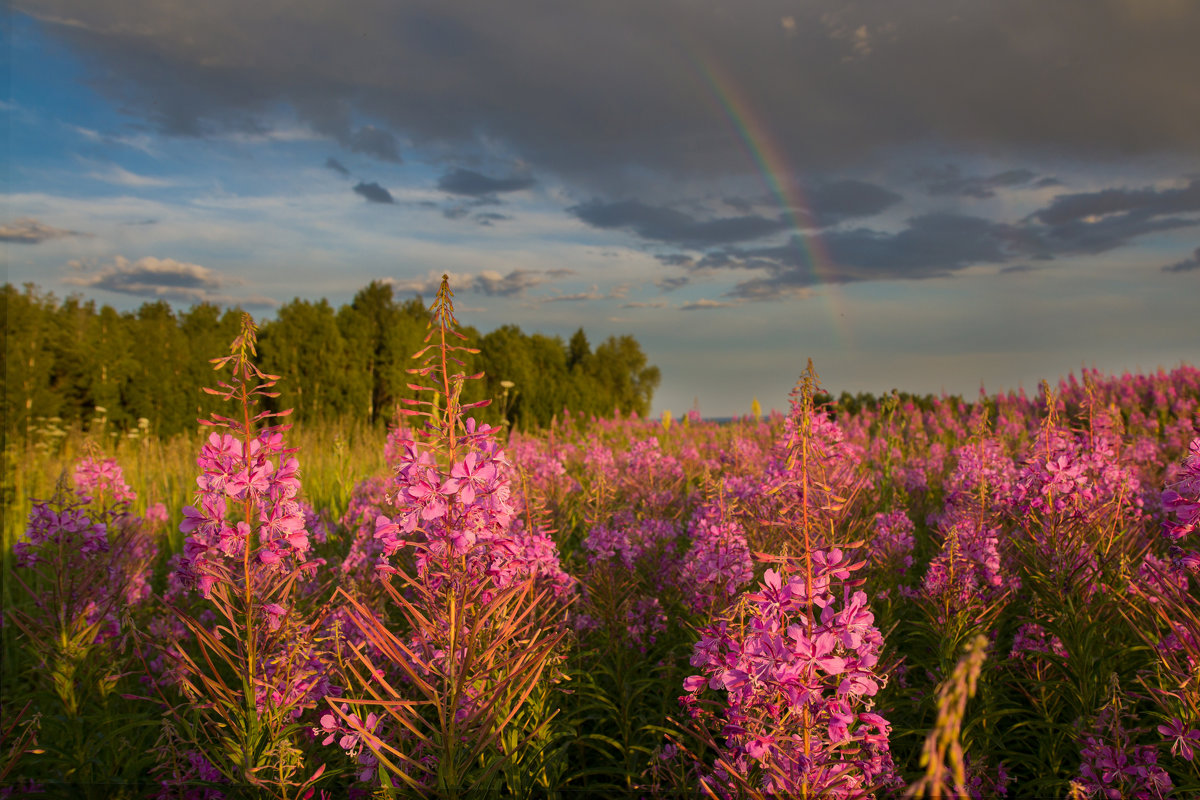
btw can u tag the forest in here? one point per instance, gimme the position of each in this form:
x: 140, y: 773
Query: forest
x: 70, y: 361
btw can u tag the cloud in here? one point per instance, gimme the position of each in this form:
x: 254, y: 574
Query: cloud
x: 932, y: 245
x: 622, y: 107
x: 578, y: 297
x: 705, y: 304
x: 1187, y: 265
x: 1136, y: 203
x: 372, y: 141
x: 646, y: 304
x: 516, y: 282
x: 833, y: 202
x: 123, y: 177
x: 661, y: 224
x: 161, y: 278
x: 829, y: 203
x: 473, y: 184
x: 337, y: 166
x: 942, y: 244
x: 1017, y: 269
x: 948, y: 180
x: 29, y: 231
x: 490, y: 218
x: 1095, y: 222
x: 488, y: 282
x: 373, y: 192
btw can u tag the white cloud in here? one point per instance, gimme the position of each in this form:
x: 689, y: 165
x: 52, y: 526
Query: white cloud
x: 120, y: 176
x: 160, y: 278
x: 27, y: 230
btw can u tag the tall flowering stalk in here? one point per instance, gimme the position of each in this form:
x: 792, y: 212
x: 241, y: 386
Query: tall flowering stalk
x: 84, y: 563
x: 445, y: 705
x: 797, y: 659
x: 943, y: 757
x: 252, y: 674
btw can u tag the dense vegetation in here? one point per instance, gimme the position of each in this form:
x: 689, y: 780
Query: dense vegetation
x: 885, y: 598
x: 70, y: 360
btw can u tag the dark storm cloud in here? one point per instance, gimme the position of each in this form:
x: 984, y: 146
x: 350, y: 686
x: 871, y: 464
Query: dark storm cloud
x: 337, y: 166
x: 941, y: 244
x: 1187, y: 265
x: 372, y: 141
x: 1136, y: 203
x: 29, y: 231
x: 828, y: 204
x: 661, y: 224
x: 834, y: 202
x: 630, y: 98
x: 1095, y: 222
x: 373, y: 192
x: 474, y: 184
x: 948, y: 180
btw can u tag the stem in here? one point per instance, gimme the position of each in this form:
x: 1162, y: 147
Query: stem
x: 248, y: 599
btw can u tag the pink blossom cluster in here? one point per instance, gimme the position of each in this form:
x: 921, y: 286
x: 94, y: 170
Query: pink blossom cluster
x: 968, y: 572
x: 102, y: 552
x: 94, y: 479
x: 630, y: 540
x: 717, y: 565
x: 1182, y: 497
x: 368, y: 501
x: 984, y: 783
x: 1069, y: 477
x: 893, y: 542
x: 799, y: 669
x: 465, y: 512
x: 245, y: 474
x: 1032, y: 639
x: 812, y: 469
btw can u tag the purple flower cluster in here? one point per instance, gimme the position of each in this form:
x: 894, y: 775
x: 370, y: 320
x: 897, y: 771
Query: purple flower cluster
x: 799, y: 672
x: 272, y: 523
x: 1182, y: 498
x: 717, y: 566
x: 893, y: 542
x: 460, y: 520
x: 1032, y: 639
x: 89, y: 537
x: 631, y: 540
x: 1114, y: 768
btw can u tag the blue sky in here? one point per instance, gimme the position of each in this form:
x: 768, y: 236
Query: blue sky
x: 923, y: 196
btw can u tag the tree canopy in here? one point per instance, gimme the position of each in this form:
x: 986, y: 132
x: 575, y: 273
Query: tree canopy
x: 72, y: 360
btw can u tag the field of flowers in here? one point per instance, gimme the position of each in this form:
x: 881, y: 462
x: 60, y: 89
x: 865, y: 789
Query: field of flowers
x: 938, y: 599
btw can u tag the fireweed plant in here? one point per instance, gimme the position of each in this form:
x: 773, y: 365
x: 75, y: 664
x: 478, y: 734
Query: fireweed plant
x: 250, y: 664
x: 457, y: 700
x: 797, y: 658
x: 84, y: 563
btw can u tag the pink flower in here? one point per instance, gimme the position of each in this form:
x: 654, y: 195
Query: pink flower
x: 1181, y: 740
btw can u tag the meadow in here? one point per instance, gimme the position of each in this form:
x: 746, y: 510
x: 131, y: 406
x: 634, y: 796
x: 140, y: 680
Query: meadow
x: 910, y: 598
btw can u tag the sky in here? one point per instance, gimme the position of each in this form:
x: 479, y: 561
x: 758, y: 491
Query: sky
x: 927, y: 196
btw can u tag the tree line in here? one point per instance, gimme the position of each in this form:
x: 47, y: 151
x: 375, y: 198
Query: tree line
x: 69, y: 359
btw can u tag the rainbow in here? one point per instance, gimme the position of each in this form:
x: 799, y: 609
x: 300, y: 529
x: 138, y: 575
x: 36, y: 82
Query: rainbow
x: 770, y: 159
